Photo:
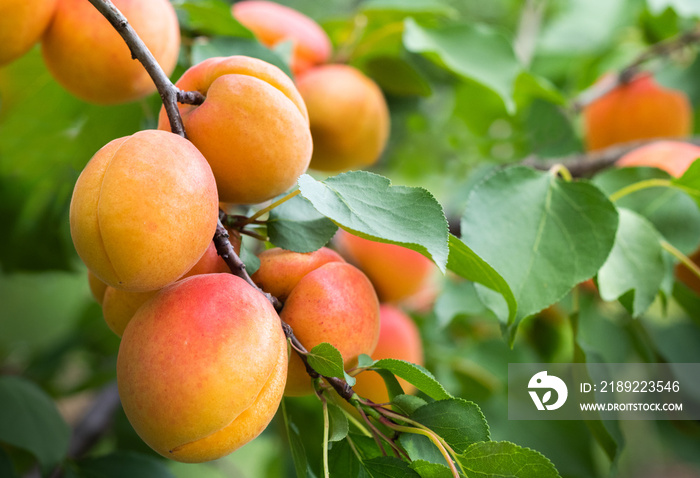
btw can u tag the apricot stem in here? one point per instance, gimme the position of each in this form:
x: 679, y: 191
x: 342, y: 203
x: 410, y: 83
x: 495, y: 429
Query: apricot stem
x: 685, y: 260
x: 269, y: 208
x: 560, y: 170
x: 638, y: 186
x: 326, y: 429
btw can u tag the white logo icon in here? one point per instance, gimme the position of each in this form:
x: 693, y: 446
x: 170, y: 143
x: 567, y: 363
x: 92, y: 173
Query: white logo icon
x: 542, y: 380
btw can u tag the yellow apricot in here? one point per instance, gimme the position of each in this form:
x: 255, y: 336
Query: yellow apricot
x: 87, y: 56
x: 348, y: 114
x: 22, y: 22
x: 144, y: 210
x: 252, y: 127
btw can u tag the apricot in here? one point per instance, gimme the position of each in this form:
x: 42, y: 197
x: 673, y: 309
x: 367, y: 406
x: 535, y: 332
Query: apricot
x: 252, y: 127
x: 22, y: 22
x: 637, y: 110
x: 119, y: 306
x: 327, y: 300
x: 97, y: 287
x: 87, y: 56
x: 273, y: 23
x: 348, y: 114
x: 397, y: 273
x: 280, y: 270
x: 398, y: 339
x: 144, y: 210
x: 674, y: 157
x: 201, y: 367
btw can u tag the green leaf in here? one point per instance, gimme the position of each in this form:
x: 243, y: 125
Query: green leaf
x: 30, y: 420
x: 635, y: 263
x: 342, y: 461
x: 388, y: 467
x: 418, y: 376
x: 504, y: 459
x: 430, y: 470
x: 412, y: 7
x: 296, y: 444
x: 475, y: 52
x: 458, y: 421
x: 121, y: 464
x: 397, y: 76
x: 542, y: 234
x: 296, y: 226
x: 407, y: 404
x: 211, y: 17
x: 366, y: 205
x: 684, y: 8
x: 465, y: 263
x: 326, y: 360
x: 550, y: 132
x: 672, y: 212
x: 690, y: 181
x: 7, y: 470
x: 338, y: 423
x: 204, y: 48
x: 393, y: 386
x: 458, y: 298
x: 419, y: 447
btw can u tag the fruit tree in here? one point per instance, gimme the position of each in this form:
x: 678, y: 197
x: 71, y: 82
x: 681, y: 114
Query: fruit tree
x: 299, y: 238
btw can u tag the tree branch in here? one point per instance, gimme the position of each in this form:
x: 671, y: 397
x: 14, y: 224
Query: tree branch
x: 169, y: 93
x: 587, y: 164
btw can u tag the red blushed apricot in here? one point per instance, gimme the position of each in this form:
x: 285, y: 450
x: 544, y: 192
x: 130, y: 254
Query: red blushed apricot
x: 252, y: 127
x: 334, y: 303
x: 348, y: 114
x: 273, y: 23
x: 674, y: 157
x: 87, y: 56
x: 144, y: 210
x: 640, y: 109
x: 397, y: 273
x: 201, y: 367
x: 281, y: 270
x: 22, y: 22
x: 398, y: 339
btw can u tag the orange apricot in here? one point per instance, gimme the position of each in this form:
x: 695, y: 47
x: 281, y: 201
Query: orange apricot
x: 397, y: 273
x: 398, y: 339
x: 640, y: 109
x: 144, y: 210
x: 22, y: 22
x: 252, y: 127
x: 87, y: 56
x: 97, y: 287
x: 674, y: 157
x: 273, y: 23
x: 201, y: 367
x: 348, y: 114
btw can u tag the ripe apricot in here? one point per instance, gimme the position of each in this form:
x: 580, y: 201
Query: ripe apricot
x: 144, y: 210
x: 201, y: 367
x: 280, y: 270
x: 397, y: 273
x: 674, y: 157
x: 22, y: 22
x: 398, y: 339
x: 640, y: 109
x: 327, y: 300
x: 97, y: 287
x: 348, y: 114
x: 87, y: 56
x: 253, y: 126
x: 273, y: 23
